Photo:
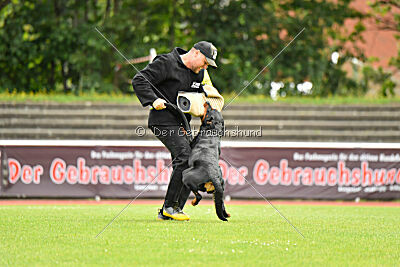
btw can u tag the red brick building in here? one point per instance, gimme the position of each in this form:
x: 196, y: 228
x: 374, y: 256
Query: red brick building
x: 379, y: 43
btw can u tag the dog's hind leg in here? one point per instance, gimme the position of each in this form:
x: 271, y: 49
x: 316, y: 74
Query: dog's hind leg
x: 226, y: 214
x: 218, y: 199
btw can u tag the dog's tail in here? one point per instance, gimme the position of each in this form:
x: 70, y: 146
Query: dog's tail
x: 219, y: 200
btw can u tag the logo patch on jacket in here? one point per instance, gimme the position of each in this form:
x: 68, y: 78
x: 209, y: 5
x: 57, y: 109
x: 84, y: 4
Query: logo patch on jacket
x: 195, y: 85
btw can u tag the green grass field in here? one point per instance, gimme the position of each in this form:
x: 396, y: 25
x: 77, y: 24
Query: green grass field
x: 255, y: 235
x: 242, y: 99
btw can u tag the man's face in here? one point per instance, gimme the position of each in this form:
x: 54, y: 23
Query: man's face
x: 199, y: 62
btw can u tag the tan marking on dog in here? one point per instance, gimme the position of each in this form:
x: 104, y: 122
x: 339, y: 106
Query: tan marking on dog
x: 209, y: 186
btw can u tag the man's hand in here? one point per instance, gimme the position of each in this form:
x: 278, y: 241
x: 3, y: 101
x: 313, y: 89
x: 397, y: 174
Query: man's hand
x: 159, y: 104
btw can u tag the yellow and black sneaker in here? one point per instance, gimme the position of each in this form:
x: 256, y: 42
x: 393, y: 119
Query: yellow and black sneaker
x: 175, y: 214
x: 161, y: 217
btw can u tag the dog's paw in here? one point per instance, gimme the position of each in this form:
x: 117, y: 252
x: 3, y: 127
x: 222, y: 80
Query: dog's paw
x: 226, y: 215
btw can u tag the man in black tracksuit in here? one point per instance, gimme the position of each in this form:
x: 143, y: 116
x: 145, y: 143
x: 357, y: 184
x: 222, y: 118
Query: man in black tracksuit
x: 159, y: 83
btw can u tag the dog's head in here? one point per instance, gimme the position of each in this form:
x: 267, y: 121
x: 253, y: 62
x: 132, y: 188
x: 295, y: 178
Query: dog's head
x: 212, y: 118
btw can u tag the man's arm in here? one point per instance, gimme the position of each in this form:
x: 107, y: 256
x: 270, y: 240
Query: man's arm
x: 143, y: 82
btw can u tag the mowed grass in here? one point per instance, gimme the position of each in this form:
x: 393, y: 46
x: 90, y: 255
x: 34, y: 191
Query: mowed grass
x: 255, y: 235
x: 241, y: 99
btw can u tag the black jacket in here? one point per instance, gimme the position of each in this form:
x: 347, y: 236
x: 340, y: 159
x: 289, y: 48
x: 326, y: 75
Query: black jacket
x: 168, y: 75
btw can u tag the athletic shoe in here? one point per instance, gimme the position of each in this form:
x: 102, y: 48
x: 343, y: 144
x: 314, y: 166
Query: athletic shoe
x: 175, y: 213
x: 161, y: 217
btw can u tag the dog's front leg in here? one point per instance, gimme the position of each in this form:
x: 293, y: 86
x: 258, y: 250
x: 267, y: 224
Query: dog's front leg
x: 192, y: 177
x: 197, y: 198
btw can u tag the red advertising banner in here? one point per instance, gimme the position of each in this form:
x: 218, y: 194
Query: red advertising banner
x: 289, y: 170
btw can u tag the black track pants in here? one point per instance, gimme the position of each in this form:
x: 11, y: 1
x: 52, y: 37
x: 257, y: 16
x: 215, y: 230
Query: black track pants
x: 177, y: 143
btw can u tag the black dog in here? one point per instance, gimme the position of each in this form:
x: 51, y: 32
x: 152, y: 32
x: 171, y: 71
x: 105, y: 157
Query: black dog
x: 204, y: 173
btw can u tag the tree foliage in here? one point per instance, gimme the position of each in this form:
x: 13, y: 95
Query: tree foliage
x: 386, y: 14
x: 52, y: 45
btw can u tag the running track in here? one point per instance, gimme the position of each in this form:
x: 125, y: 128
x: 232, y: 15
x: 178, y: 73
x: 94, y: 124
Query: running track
x: 14, y: 202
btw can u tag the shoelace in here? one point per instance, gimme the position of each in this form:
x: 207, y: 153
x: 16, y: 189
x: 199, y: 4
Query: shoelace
x: 178, y: 210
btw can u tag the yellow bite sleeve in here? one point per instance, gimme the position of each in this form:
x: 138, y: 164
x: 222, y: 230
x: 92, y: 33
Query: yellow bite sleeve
x: 207, y: 79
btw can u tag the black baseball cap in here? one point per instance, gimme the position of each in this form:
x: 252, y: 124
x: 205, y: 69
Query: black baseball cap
x: 209, y: 51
